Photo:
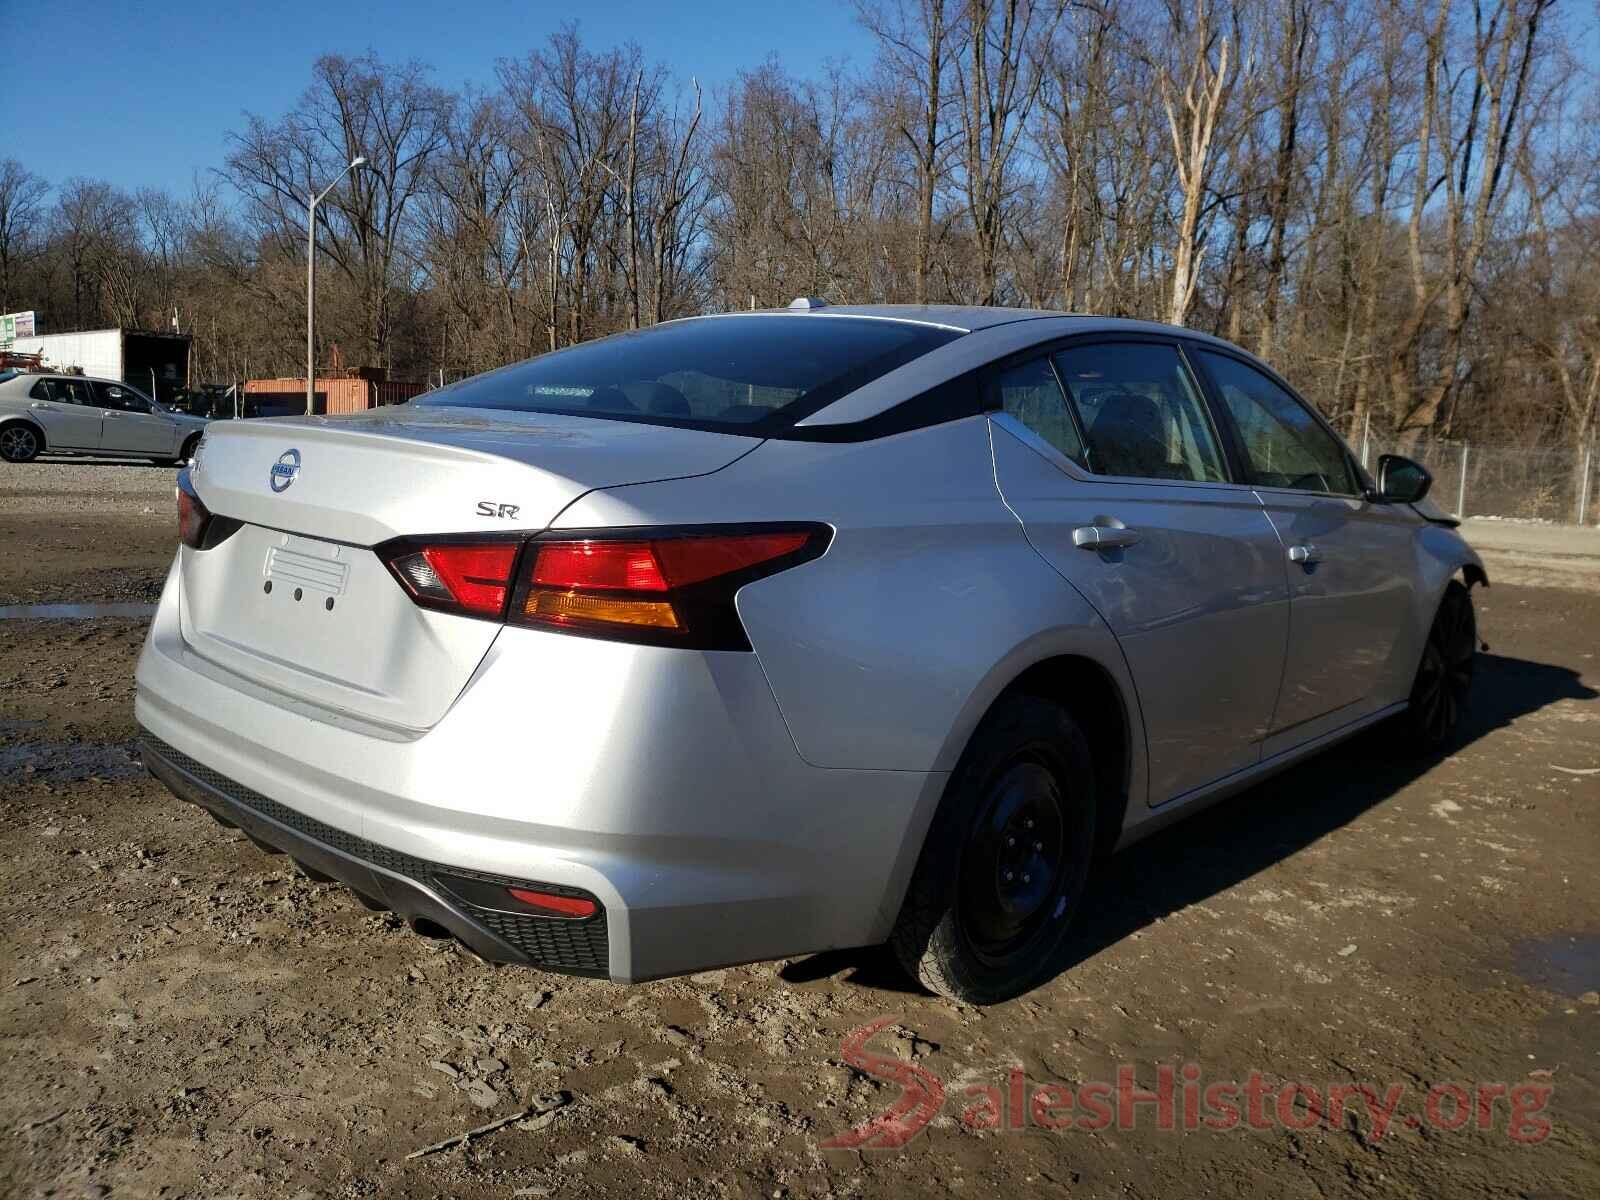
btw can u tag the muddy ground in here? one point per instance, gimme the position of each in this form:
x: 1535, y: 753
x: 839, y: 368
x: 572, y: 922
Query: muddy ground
x: 182, y: 1015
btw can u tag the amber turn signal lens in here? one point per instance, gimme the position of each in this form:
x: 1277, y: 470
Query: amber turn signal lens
x: 574, y: 607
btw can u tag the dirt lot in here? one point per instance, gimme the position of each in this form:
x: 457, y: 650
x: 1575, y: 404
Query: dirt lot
x: 182, y: 1015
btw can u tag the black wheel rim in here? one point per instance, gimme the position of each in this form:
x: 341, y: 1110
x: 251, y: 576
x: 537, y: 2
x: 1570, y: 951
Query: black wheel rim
x: 1445, y: 676
x: 17, y: 444
x: 1013, y: 866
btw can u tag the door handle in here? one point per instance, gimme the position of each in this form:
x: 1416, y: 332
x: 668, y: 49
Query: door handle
x: 108, y: 414
x: 1306, y: 555
x: 38, y: 404
x: 1103, y: 537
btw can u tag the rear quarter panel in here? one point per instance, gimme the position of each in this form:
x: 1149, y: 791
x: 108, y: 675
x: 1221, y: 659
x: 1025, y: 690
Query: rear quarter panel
x: 886, y: 652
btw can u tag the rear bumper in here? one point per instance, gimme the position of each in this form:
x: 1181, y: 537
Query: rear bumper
x: 662, y: 783
x: 411, y: 887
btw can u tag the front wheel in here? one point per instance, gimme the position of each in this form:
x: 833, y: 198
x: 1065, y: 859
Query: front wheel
x: 1005, y: 859
x: 19, y: 443
x: 1443, y: 684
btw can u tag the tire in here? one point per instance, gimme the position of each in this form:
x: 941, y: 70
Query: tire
x: 184, y: 455
x: 20, y: 442
x: 1443, y: 686
x: 979, y: 925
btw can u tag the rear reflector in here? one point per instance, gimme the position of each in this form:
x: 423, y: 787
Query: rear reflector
x: 566, y: 906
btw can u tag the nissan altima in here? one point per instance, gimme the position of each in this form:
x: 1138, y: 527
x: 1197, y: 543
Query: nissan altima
x: 747, y: 636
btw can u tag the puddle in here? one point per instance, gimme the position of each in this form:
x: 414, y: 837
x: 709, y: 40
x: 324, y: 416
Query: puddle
x: 73, y: 612
x: 1565, y: 963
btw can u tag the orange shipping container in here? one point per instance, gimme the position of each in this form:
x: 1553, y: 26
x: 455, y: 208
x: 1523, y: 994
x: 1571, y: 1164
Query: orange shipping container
x: 281, y: 396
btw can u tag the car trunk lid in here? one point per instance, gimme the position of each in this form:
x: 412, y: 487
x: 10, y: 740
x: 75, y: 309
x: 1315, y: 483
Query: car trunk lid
x: 297, y: 601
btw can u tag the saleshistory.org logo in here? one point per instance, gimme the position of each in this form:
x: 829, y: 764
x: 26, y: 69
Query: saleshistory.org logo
x: 1180, y: 1101
x: 285, y: 471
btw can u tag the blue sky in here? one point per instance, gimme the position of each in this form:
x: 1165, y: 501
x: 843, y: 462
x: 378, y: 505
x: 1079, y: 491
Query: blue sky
x: 144, y: 94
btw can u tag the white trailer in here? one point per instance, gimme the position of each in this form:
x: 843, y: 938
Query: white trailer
x: 155, y: 363
x: 96, y: 352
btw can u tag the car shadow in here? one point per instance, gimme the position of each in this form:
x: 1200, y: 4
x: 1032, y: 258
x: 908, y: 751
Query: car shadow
x: 1228, y: 843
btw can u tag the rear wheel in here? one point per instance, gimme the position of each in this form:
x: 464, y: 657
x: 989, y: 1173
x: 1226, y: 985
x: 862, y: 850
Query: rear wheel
x: 186, y: 455
x: 1444, y: 676
x: 20, y: 443
x: 1005, y: 859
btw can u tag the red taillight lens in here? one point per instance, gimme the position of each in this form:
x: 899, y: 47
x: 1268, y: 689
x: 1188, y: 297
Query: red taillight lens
x: 694, y: 559
x: 600, y: 566
x: 471, y: 577
x: 657, y: 565
x: 193, y: 516
x: 665, y: 589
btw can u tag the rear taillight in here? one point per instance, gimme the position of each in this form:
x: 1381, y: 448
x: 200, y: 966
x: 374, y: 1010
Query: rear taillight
x: 472, y: 577
x: 661, y: 587
x: 193, y: 516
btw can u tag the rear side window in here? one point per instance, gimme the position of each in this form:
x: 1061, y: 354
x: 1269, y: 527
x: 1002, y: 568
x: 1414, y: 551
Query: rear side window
x: 1029, y: 393
x: 744, y: 374
x: 1141, y: 412
x: 1284, y: 445
x: 62, y: 391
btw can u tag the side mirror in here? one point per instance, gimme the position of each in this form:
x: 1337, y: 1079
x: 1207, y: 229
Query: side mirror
x: 1401, y: 481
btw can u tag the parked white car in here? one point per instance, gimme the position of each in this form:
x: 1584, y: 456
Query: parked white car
x: 71, y: 414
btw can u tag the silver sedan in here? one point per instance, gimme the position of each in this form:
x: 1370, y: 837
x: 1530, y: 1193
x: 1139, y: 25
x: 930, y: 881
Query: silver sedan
x: 71, y: 414
x: 753, y: 635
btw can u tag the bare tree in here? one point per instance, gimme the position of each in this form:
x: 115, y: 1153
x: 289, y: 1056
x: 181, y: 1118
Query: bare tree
x: 1205, y: 57
x: 999, y: 70
x: 916, y: 40
x: 22, y: 196
x: 1468, y: 120
x: 395, y: 119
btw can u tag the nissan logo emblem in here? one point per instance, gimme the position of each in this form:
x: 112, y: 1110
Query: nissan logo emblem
x: 285, y: 470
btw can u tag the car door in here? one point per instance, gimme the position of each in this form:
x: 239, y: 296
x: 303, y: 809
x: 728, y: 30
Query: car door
x: 131, y: 424
x: 66, y: 411
x: 1106, y: 453
x: 1349, y: 562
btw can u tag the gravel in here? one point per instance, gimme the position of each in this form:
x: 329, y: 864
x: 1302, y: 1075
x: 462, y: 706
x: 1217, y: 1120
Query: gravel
x: 53, y: 487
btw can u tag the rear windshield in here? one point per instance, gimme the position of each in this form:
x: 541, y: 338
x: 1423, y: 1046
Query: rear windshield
x: 756, y: 375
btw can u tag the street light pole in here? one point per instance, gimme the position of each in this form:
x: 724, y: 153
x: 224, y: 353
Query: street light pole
x: 311, y: 279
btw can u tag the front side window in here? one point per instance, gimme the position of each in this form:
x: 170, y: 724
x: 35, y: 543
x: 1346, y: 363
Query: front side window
x: 124, y: 399
x: 1030, y: 394
x: 1284, y: 445
x: 755, y: 375
x: 1140, y: 412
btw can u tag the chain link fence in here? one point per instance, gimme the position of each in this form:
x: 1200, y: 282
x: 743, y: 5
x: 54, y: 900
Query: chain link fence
x: 1560, y: 485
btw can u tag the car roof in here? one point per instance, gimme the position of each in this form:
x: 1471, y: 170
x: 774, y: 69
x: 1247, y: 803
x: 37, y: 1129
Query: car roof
x: 990, y: 334
x: 34, y: 375
x: 963, y: 318
x: 968, y: 318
